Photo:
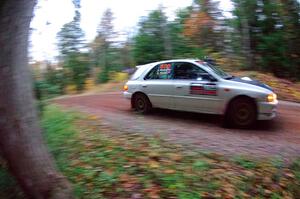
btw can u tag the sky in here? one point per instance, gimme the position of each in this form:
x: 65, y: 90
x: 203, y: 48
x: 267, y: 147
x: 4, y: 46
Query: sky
x: 51, y: 15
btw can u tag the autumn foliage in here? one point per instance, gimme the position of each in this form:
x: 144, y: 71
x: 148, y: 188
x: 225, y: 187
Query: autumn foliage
x: 197, y: 22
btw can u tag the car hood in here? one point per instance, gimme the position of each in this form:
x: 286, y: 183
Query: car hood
x: 248, y: 80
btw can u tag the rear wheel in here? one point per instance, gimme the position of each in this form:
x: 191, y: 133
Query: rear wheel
x: 141, y: 103
x: 241, y: 113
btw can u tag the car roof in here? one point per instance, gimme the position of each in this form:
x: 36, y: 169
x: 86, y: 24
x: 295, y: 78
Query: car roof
x: 171, y: 60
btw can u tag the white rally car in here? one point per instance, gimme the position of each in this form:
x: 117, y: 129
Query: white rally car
x: 200, y: 86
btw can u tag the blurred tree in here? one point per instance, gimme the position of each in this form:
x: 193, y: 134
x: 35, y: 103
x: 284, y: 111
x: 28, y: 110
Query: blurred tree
x: 126, y: 54
x: 204, y: 25
x: 165, y: 33
x: 183, y: 46
x: 269, y: 36
x: 106, y: 29
x: 152, y: 42
x: 290, y: 17
x: 148, y: 43
x: 21, y: 142
x: 77, y: 69
x: 76, y: 4
x: 246, y: 25
x: 71, y: 43
x: 159, y: 39
x: 71, y: 37
x: 102, y: 45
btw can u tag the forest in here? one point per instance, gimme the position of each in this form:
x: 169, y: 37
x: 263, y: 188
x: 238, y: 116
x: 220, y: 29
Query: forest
x: 260, y: 35
x: 42, y: 158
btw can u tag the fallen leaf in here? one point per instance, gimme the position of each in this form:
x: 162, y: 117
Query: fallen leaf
x: 153, y: 164
x: 175, y: 157
x: 169, y: 171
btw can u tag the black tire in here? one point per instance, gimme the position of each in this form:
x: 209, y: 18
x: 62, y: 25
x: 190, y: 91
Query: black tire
x: 241, y: 113
x: 141, y: 103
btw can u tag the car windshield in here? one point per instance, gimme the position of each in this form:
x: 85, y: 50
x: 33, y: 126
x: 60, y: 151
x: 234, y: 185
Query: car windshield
x: 219, y: 71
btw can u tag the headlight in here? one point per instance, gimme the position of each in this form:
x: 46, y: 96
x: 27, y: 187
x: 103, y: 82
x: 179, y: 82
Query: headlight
x: 125, y: 88
x: 271, y: 97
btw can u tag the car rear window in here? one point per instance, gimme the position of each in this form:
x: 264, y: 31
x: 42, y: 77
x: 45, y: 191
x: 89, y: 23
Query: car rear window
x: 137, y: 73
x: 160, y: 71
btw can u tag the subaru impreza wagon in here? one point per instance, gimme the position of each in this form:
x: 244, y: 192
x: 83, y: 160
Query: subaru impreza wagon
x: 200, y: 86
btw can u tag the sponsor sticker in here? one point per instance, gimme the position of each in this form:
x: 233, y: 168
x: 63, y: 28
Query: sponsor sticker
x: 203, y: 90
x: 165, y: 69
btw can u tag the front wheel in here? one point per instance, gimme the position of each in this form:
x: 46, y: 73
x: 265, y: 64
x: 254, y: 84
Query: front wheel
x: 241, y: 113
x: 141, y: 103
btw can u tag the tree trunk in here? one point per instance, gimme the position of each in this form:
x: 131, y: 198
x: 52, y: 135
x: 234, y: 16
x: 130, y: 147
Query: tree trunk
x: 246, y: 39
x: 247, y: 43
x: 166, y: 36
x: 21, y: 141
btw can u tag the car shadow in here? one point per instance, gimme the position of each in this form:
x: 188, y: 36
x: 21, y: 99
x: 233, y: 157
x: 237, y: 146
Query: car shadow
x: 210, y: 120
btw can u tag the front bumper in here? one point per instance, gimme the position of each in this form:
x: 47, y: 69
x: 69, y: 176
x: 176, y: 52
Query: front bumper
x: 127, y: 95
x: 267, y: 110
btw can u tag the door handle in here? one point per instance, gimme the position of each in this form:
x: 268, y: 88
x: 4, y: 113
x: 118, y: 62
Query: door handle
x: 178, y: 86
x: 144, y: 85
x: 210, y: 84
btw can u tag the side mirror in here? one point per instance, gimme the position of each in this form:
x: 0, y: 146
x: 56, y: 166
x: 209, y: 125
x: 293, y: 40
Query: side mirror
x: 212, y: 79
x: 208, y: 77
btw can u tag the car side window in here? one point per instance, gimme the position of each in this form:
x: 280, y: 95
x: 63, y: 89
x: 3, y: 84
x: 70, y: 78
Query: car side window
x: 184, y: 70
x: 161, y: 71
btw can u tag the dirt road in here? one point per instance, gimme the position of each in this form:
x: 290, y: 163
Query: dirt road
x: 279, y: 137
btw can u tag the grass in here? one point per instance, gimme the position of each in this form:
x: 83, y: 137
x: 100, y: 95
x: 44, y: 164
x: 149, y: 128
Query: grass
x: 104, y: 163
x: 244, y: 162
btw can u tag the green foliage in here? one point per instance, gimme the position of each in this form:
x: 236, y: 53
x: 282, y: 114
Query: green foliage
x: 70, y: 37
x: 248, y: 164
x: 274, y: 60
x: 183, y: 46
x: 59, y: 131
x: 296, y: 167
x: 46, y: 90
x: 55, y: 80
x: 52, y: 85
x: 192, y: 33
x: 71, y: 43
x: 106, y: 54
x: 201, y: 165
x: 104, y: 164
x: 103, y: 76
x: 272, y: 33
x: 261, y: 35
x: 149, y: 42
x: 78, y: 67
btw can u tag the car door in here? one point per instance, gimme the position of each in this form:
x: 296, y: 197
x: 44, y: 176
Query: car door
x: 195, y: 90
x: 158, y: 86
